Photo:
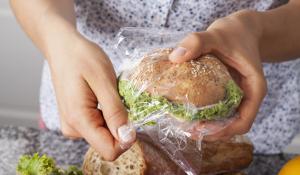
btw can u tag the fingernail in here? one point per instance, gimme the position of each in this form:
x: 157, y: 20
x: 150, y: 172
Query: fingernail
x: 177, y: 53
x: 126, y: 134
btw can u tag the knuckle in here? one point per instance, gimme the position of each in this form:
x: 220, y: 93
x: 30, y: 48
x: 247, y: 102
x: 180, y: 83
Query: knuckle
x: 244, y: 131
x: 244, y: 128
x: 71, y: 120
x: 220, y: 21
x: 67, y: 124
x: 67, y: 132
x: 115, y: 114
x: 216, y: 31
x: 69, y: 114
x: 262, y: 85
x: 242, y: 13
x: 195, y: 37
x: 64, y: 131
x: 72, y: 117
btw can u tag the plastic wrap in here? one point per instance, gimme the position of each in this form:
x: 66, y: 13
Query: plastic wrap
x: 161, y: 104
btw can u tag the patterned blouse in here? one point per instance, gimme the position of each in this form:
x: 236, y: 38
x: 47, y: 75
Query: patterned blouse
x: 99, y: 21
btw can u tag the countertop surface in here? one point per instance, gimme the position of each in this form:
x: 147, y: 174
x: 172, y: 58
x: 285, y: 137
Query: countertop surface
x: 15, y: 141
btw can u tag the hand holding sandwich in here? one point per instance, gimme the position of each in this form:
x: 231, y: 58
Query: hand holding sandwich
x: 243, y: 40
x: 236, y: 42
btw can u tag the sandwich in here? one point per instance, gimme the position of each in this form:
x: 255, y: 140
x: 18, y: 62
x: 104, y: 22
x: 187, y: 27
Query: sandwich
x: 196, y: 90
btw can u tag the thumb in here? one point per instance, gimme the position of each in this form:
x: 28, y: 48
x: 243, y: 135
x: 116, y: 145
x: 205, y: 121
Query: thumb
x: 116, y: 116
x: 191, y: 47
x: 104, y: 86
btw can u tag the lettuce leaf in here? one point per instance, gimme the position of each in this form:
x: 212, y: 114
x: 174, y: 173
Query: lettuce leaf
x: 143, y: 104
x: 42, y: 165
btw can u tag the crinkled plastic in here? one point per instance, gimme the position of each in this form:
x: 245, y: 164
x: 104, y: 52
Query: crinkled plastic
x: 169, y: 124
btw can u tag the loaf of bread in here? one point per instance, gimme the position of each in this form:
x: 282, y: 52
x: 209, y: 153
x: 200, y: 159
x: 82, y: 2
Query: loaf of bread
x: 145, y: 158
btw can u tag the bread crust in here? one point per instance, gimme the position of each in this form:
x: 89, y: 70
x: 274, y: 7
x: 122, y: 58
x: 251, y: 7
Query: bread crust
x: 131, y: 162
x: 217, y: 157
x: 198, y: 82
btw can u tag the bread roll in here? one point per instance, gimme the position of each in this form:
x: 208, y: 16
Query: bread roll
x: 199, y: 82
x: 199, y: 89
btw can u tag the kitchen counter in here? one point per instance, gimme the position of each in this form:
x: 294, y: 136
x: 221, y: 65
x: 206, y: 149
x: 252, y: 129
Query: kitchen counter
x: 15, y: 141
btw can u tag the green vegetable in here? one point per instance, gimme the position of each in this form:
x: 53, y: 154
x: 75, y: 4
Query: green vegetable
x: 73, y: 170
x: 142, y: 104
x: 42, y: 165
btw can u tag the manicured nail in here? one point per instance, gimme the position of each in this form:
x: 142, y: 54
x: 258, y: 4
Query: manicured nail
x: 177, y: 53
x: 126, y: 134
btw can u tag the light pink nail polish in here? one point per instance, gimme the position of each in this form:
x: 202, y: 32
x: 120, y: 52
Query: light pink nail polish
x: 177, y: 53
x: 126, y: 134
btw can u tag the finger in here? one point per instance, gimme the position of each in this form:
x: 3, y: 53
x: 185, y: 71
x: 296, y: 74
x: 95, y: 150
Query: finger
x: 104, y: 86
x: 192, y: 46
x: 87, y: 120
x: 115, y: 114
x: 254, y: 92
x: 211, y: 130
x: 68, y: 131
x: 215, y: 137
x: 99, y: 137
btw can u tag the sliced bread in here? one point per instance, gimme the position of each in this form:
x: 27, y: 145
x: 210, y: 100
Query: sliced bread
x: 144, y: 158
x: 130, y: 163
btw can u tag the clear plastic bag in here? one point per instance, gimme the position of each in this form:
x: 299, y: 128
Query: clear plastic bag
x: 163, y: 107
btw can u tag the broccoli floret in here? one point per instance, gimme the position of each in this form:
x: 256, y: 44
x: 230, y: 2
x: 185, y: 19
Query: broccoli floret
x: 42, y: 165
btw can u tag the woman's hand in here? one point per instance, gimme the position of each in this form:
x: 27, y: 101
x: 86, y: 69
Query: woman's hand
x: 235, y: 40
x: 83, y: 76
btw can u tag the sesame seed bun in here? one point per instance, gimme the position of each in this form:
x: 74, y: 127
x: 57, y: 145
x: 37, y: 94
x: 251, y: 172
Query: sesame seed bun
x: 199, y: 89
x: 198, y: 82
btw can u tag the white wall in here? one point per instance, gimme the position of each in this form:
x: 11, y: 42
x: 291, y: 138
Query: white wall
x: 20, y: 71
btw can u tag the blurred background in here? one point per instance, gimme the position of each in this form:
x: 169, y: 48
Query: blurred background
x: 20, y: 73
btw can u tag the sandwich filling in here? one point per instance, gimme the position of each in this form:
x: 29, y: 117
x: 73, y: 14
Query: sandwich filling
x: 143, y: 104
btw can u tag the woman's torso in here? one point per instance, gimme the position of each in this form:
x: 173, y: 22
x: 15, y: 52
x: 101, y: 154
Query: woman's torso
x: 100, y: 20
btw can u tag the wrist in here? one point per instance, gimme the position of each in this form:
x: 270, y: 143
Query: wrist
x: 251, y: 20
x: 62, y: 40
x: 56, y: 34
